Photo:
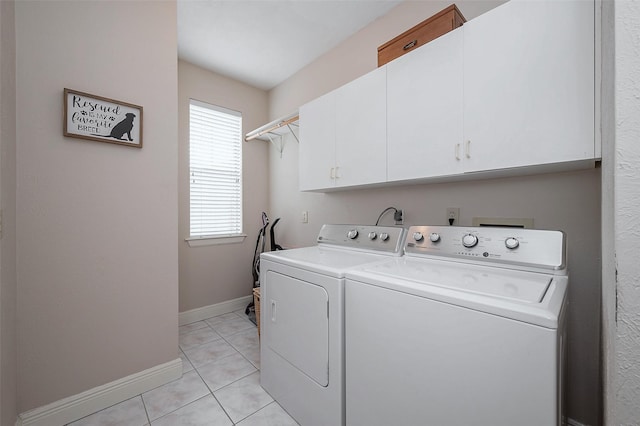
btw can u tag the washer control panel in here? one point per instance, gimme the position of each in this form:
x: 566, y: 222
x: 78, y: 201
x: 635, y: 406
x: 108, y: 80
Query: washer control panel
x: 534, y: 248
x: 388, y: 239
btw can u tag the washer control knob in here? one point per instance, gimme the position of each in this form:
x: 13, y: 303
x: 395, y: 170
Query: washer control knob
x: 511, y: 243
x: 352, y: 234
x: 434, y: 237
x: 372, y: 235
x: 469, y: 240
x: 418, y: 236
x: 384, y: 236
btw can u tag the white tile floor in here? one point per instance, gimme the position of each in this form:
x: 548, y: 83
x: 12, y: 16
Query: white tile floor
x: 219, y: 385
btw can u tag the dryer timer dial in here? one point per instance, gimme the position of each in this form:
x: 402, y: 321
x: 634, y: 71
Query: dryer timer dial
x: 511, y: 243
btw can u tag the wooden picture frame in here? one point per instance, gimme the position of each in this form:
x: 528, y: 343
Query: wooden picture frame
x: 102, y: 119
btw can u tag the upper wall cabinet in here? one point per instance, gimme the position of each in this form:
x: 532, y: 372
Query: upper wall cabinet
x: 529, y: 85
x: 317, y: 151
x: 424, y: 110
x: 343, y: 135
x: 510, y: 92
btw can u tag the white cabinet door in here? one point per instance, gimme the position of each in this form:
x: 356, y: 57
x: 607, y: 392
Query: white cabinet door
x: 424, y: 110
x: 529, y: 84
x: 361, y: 130
x: 343, y: 135
x: 317, y: 150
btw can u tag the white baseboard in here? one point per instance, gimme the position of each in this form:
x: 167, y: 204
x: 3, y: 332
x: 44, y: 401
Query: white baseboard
x: 78, y: 406
x: 199, y: 314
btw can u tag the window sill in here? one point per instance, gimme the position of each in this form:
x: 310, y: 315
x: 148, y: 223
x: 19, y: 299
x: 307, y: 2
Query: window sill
x: 214, y: 241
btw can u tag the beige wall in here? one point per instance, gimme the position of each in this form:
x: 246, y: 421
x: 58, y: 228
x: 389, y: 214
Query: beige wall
x: 566, y: 201
x: 214, y: 274
x: 8, y: 289
x: 97, y: 260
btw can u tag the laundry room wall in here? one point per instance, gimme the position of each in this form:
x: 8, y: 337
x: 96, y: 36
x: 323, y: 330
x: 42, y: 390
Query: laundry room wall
x: 621, y: 203
x: 8, y: 280
x: 220, y: 273
x: 566, y: 201
x: 97, y: 259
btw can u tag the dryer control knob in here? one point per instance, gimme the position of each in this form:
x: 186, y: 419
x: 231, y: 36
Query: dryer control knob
x: 434, y: 237
x: 418, y: 236
x: 469, y: 240
x: 384, y: 236
x: 352, y: 234
x: 511, y: 243
x: 372, y: 235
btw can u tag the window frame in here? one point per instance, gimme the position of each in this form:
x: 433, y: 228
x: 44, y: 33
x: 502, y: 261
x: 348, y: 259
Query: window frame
x: 215, y: 239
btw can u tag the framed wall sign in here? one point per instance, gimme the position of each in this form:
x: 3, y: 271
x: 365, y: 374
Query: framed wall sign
x: 102, y: 119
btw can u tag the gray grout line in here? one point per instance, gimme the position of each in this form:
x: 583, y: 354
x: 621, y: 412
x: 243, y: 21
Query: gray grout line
x: 179, y: 408
x: 205, y: 382
x: 213, y: 395
x: 146, y: 412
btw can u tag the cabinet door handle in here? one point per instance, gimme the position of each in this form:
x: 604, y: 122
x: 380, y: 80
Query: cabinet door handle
x: 410, y: 45
x: 273, y: 311
x: 332, y: 173
x: 337, y: 174
x: 457, y: 151
x: 467, y: 149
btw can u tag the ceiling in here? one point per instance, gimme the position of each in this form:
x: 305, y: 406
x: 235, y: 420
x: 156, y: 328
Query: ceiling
x: 264, y: 42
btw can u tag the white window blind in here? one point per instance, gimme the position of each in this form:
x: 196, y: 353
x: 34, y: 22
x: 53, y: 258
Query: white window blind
x: 215, y: 161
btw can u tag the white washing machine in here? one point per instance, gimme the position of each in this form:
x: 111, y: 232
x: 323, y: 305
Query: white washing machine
x: 467, y: 328
x: 302, y: 318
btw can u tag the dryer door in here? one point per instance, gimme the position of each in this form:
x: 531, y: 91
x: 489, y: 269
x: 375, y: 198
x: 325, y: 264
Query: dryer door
x: 297, y: 312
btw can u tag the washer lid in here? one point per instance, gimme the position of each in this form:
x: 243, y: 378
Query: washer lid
x: 488, y: 281
x: 532, y: 297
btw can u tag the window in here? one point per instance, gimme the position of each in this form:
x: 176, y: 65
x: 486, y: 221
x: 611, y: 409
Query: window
x: 215, y: 167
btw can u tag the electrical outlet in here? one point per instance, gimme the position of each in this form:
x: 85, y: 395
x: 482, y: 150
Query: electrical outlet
x: 397, y: 217
x: 453, y: 215
x: 305, y: 217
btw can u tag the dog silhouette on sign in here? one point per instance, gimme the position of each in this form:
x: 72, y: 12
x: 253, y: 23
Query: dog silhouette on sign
x: 122, y: 128
x: 125, y: 126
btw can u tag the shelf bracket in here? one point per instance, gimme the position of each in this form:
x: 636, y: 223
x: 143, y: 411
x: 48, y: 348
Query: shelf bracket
x: 279, y: 144
x: 293, y: 133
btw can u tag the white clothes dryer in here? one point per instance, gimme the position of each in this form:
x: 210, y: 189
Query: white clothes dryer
x: 467, y: 328
x: 302, y: 318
